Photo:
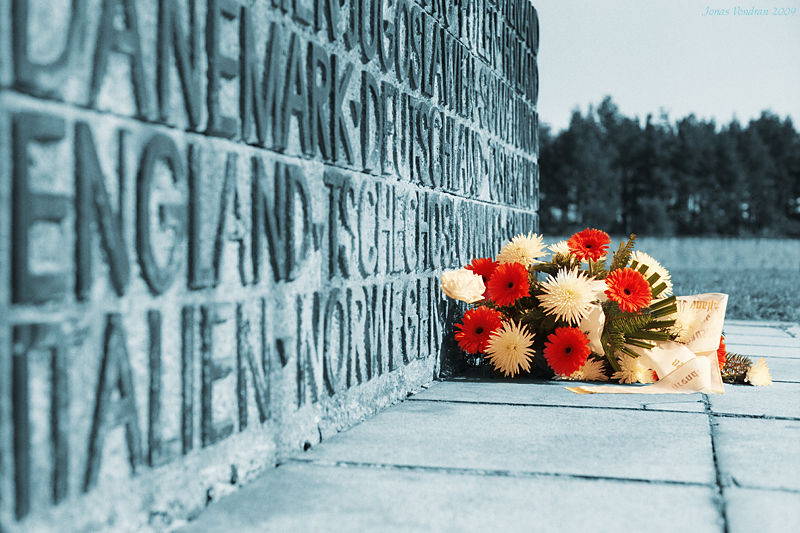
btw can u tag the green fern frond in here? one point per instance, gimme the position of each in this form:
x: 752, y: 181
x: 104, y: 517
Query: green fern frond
x: 623, y: 254
x: 735, y: 368
x: 648, y: 335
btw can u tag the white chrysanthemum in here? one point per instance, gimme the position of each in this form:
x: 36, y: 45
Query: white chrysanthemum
x: 632, y: 370
x: 569, y: 295
x: 525, y: 249
x: 463, y: 284
x: 592, y: 370
x: 685, y: 323
x: 560, y: 249
x: 758, y: 374
x: 654, y: 267
x: 509, y: 349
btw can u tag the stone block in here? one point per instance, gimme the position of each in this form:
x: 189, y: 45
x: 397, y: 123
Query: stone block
x: 554, y: 393
x: 760, y: 350
x: 556, y: 440
x: 776, y: 400
x: 758, y: 453
x: 737, y: 330
x: 761, y: 510
x: 308, y: 497
x: 224, y: 224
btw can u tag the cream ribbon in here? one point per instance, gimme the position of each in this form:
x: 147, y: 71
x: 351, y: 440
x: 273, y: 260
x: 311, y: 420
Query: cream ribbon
x: 682, y: 368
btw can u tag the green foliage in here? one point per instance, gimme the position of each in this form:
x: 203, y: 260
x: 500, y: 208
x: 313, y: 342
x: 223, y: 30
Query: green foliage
x: 623, y: 254
x: 639, y: 330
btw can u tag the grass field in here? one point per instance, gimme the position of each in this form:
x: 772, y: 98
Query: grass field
x: 753, y: 294
x: 761, y: 276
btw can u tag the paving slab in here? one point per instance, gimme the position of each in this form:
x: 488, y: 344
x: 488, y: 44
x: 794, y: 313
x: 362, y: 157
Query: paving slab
x: 758, y: 453
x: 647, y: 445
x: 764, y: 511
x: 554, y: 393
x: 761, y: 340
x: 776, y: 400
x: 732, y: 330
x: 757, y: 350
x: 758, y: 323
x: 305, y: 497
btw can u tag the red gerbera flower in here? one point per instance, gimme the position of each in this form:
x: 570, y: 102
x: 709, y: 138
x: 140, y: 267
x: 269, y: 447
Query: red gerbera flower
x: 483, y: 266
x: 479, y: 324
x: 722, y: 352
x: 508, y: 283
x: 566, y: 350
x: 589, y: 244
x: 629, y: 289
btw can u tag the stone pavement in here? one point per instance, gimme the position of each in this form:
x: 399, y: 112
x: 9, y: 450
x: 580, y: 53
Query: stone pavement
x: 513, y: 456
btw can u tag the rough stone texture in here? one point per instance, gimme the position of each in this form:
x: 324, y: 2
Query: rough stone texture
x: 307, y: 497
x: 222, y: 225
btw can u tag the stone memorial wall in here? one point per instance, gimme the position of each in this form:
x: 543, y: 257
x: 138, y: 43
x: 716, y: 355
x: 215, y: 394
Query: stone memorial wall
x: 222, y: 225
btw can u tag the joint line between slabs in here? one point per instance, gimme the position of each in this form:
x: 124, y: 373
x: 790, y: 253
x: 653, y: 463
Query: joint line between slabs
x: 755, y: 417
x: 488, y: 472
x: 721, y: 504
x: 520, y: 404
x: 615, y: 408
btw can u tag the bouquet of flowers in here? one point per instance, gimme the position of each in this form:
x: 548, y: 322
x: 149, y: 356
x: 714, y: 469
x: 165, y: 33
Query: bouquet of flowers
x: 577, y: 312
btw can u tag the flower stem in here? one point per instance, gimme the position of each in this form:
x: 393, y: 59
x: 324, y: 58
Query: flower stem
x: 613, y: 362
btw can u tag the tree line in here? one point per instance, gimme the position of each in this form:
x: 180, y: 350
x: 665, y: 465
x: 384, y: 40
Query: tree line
x: 688, y: 177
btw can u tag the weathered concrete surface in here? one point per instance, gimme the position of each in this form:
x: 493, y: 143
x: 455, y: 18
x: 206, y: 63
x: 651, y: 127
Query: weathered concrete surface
x: 778, y: 400
x: 776, y: 340
x: 553, y: 393
x: 762, y: 510
x: 478, y: 456
x: 309, y: 497
x: 741, y: 328
x: 756, y: 350
x: 531, y: 439
x: 758, y: 453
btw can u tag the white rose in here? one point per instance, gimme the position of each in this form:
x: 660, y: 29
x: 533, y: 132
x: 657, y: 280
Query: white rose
x: 592, y: 325
x: 758, y: 374
x: 463, y: 285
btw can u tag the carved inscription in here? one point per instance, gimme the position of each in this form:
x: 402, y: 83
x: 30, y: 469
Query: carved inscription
x: 228, y: 214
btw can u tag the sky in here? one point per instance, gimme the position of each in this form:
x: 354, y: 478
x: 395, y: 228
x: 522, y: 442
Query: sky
x: 654, y: 55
